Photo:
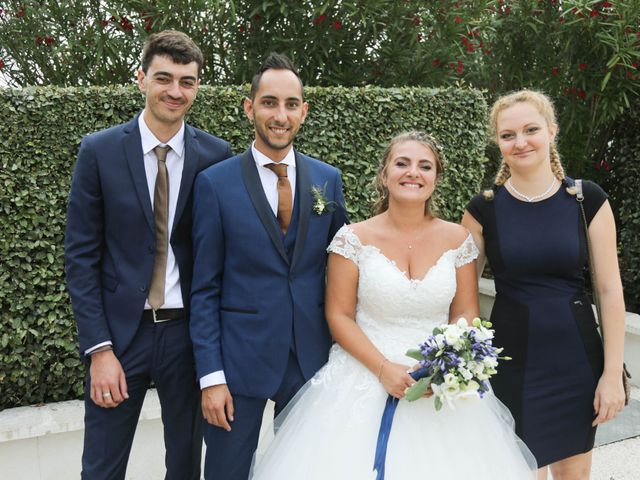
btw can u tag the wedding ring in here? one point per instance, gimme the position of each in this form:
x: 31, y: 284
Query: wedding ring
x: 106, y: 394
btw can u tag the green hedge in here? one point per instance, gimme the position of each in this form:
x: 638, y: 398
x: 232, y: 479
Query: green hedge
x: 40, y: 133
x: 623, y: 159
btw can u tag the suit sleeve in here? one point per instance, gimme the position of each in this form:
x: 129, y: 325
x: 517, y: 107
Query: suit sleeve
x: 84, y: 242
x: 340, y: 216
x: 208, y: 266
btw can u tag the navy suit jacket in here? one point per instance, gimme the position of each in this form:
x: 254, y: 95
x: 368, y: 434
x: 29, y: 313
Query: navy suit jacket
x: 110, y: 236
x: 252, y: 300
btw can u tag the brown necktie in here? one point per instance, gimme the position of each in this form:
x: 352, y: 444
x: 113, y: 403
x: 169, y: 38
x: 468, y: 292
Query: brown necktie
x: 284, y: 194
x: 161, y: 220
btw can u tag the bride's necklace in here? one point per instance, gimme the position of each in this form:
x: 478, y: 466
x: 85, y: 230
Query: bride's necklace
x: 527, y: 197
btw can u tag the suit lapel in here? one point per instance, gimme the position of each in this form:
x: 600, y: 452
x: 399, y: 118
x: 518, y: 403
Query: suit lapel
x: 135, y: 159
x: 303, y: 198
x: 259, y: 199
x: 189, y: 168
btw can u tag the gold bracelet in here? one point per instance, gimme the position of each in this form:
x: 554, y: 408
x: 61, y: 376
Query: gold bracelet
x: 380, y: 370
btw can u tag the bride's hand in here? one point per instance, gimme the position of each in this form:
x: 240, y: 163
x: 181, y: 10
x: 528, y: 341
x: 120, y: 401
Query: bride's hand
x: 395, y: 379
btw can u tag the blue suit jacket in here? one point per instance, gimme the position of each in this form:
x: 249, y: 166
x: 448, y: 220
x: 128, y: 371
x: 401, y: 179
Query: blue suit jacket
x: 110, y: 234
x: 252, y: 300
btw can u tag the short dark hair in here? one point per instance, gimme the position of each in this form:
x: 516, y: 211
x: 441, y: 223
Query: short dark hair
x: 276, y: 61
x: 174, y: 44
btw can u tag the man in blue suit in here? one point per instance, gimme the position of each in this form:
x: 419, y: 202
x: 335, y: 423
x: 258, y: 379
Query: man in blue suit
x: 129, y: 265
x: 262, y: 222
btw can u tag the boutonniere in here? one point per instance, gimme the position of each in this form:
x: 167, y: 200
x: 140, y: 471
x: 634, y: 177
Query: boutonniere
x: 320, y: 202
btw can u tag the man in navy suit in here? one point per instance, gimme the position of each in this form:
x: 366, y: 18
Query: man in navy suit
x: 257, y: 300
x: 118, y: 251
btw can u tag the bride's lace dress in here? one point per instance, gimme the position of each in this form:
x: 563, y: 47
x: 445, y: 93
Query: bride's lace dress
x: 329, y: 430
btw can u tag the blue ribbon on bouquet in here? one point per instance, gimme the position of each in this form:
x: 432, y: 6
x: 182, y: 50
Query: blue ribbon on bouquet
x: 385, y: 426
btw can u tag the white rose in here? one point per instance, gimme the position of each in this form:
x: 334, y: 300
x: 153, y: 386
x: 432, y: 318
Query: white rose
x: 453, y: 335
x: 490, y: 362
x: 450, y: 379
x: 466, y: 374
x: 462, y: 323
x: 439, y: 339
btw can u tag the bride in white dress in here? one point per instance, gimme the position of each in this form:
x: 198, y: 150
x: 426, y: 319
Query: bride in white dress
x: 390, y: 280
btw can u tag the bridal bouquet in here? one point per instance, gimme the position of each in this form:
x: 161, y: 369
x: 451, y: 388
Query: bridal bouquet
x: 456, y: 361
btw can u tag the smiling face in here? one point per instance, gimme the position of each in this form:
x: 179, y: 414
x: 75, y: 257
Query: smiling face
x: 411, y: 172
x: 277, y: 110
x: 170, y: 89
x: 524, y: 137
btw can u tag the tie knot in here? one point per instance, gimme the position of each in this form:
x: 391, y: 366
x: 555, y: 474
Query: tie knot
x: 161, y: 152
x: 280, y: 169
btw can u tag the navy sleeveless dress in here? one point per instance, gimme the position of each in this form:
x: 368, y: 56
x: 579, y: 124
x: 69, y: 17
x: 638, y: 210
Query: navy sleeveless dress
x: 543, y: 318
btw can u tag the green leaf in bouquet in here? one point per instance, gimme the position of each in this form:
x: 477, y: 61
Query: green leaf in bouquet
x: 415, y: 354
x: 438, y: 404
x: 418, y: 389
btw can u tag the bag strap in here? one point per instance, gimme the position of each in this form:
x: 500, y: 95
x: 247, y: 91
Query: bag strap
x: 592, y: 270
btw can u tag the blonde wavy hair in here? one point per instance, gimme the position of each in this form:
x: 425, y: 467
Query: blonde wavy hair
x: 382, y: 203
x: 544, y: 105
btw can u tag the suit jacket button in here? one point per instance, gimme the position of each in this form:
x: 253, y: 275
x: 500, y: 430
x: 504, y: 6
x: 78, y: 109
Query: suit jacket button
x: 143, y: 288
x: 150, y: 249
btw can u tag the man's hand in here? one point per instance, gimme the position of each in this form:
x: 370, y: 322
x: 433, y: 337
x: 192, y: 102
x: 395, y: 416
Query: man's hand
x: 108, y: 383
x: 217, y: 406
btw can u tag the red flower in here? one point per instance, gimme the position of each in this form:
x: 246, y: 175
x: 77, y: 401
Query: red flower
x: 49, y: 41
x: 241, y: 28
x: 105, y: 23
x: 606, y: 4
x: 536, y: 13
x: 582, y: 94
x: 470, y: 48
x: 594, y: 13
x: 257, y: 17
x: 507, y: 10
x: 2, y: 64
x: 458, y: 19
x: 20, y: 13
x: 113, y: 19
x: 337, y: 25
x: 436, y: 63
x: 487, y: 51
x: 419, y: 37
x: 561, y: 20
x: 148, y: 24
x: 39, y: 40
x: 416, y: 20
x: 319, y: 20
x: 460, y: 68
x: 606, y: 165
x: 555, y: 71
x: 582, y: 67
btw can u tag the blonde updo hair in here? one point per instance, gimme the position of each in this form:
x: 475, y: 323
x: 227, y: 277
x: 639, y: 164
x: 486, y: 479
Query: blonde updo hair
x: 382, y: 203
x: 544, y: 105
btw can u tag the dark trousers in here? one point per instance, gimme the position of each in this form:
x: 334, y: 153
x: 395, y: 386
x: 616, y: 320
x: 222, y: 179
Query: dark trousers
x: 229, y: 454
x: 161, y: 353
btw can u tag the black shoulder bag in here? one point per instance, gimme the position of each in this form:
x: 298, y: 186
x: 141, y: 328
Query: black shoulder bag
x: 625, y: 373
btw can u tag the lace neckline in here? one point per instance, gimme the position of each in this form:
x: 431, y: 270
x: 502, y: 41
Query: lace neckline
x: 395, y: 265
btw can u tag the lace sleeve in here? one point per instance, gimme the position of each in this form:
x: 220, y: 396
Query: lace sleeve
x: 467, y: 252
x: 346, y: 243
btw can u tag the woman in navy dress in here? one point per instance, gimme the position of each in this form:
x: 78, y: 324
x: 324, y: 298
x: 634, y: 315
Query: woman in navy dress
x: 561, y: 383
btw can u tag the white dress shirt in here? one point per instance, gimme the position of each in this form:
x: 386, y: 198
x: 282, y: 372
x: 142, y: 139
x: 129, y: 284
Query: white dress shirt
x: 269, y: 181
x: 175, y: 164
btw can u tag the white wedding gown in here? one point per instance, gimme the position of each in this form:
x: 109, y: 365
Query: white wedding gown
x: 329, y: 430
